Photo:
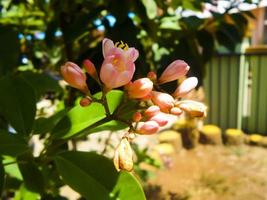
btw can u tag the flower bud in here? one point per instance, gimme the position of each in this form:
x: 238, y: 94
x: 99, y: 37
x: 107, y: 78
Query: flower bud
x: 163, y: 100
x: 175, y: 70
x: 90, y: 68
x: 160, y: 118
x: 152, y: 76
x: 137, y: 116
x: 86, y: 101
x: 193, y: 108
x: 176, y: 111
x: 139, y: 88
x: 74, y: 76
x: 186, y: 86
x: 147, y: 128
x: 151, y: 111
x: 123, y: 157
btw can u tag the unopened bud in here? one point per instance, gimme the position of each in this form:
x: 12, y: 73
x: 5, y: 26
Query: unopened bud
x: 140, y: 88
x: 147, y: 128
x: 137, y: 116
x: 91, y: 70
x: 152, y: 76
x: 163, y: 100
x: 151, y: 111
x: 86, y: 101
x: 176, y: 111
x: 174, y: 71
x: 186, y: 86
x: 74, y: 76
x: 193, y: 108
x: 160, y: 118
x: 123, y: 157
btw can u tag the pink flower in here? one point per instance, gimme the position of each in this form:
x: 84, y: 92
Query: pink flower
x: 139, y: 88
x: 74, y: 76
x: 147, y: 128
x: 118, y: 66
x: 175, y: 70
x: 163, y: 100
x: 160, y: 118
x: 152, y: 76
x: 185, y: 87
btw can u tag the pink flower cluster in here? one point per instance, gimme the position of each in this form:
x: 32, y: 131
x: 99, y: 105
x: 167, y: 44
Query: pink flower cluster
x: 117, y: 70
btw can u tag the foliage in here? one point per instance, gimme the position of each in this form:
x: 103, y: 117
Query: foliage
x: 38, y: 36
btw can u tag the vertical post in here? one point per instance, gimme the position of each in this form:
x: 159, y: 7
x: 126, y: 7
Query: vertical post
x: 242, y: 82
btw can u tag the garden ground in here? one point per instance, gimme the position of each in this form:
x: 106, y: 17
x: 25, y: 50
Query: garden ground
x: 213, y: 173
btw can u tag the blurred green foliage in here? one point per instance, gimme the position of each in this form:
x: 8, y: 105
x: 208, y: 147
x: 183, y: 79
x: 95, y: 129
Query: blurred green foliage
x: 54, y: 31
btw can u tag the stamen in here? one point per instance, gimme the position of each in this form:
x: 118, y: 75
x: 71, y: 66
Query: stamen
x: 122, y: 45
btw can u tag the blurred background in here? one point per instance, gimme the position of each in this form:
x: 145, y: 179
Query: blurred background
x: 224, y: 42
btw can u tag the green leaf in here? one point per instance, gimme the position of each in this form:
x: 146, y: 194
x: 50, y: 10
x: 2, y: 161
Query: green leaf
x: 170, y: 23
x: 78, y: 119
x: 151, y: 8
x: 41, y: 83
x: 9, y: 49
x: 24, y: 194
x: 111, y: 126
x: 2, y: 177
x: 12, y: 169
x: 11, y: 144
x: 17, y: 103
x: 95, y: 177
x: 32, y: 176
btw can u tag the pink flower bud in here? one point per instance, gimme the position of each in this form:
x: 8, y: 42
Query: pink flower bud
x: 123, y: 157
x: 193, y: 108
x: 163, y: 100
x: 160, y: 118
x: 176, y: 111
x: 152, y: 76
x: 91, y: 70
x: 151, y: 111
x: 139, y: 88
x: 137, y: 116
x: 175, y: 70
x: 185, y: 87
x: 74, y: 76
x: 86, y: 101
x: 147, y: 128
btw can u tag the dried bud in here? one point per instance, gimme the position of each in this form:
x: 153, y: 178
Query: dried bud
x: 140, y: 88
x: 137, y: 116
x: 151, y: 111
x: 152, y: 76
x: 163, y: 100
x: 86, y: 101
x: 123, y: 157
x: 74, y: 76
x: 147, y: 128
x: 175, y: 70
x: 186, y: 86
x: 193, y: 108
